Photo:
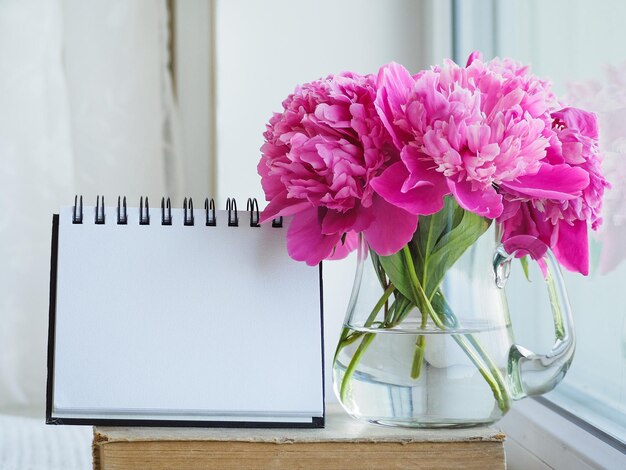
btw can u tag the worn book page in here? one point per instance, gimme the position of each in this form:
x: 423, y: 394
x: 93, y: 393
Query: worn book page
x: 344, y: 444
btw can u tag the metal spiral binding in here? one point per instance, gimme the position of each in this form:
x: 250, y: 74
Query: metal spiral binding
x: 122, y: 215
x: 253, y: 207
x: 144, y: 212
x: 209, y: 208
x: 231, y: 207
x: 77, y: 211
x: 99, y: 212
x: 188, y: 217
x: 166, y: 206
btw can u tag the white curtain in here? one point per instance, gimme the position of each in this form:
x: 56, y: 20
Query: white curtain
x: 86, y: 106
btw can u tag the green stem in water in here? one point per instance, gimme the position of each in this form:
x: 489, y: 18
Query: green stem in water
x: 343, y: 340
x: 559, y: 329
x: 497, y: 386
x: 403, y: 307
x: 367, y: 339
x: 418, y: 355
x: 400, y: 308
x: 349, y: 339
x: 382, y: 301
x: 449, y: 320
x: 497, y: 389
x: 504, y: 402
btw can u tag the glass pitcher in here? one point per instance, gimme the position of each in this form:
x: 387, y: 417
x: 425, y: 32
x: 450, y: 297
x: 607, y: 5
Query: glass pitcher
x: 453, y: 361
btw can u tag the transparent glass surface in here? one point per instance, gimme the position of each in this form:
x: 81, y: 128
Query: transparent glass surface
x: 462, y: 368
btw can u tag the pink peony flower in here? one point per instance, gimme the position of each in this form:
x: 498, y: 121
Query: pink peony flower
x: 488, y: 134
x: 319, y: 158
x: 562, y: 223
x: 472, y: 131
x: 354, y: 153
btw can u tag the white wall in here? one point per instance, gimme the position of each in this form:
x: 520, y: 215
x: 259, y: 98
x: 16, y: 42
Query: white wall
x: 265, y: 48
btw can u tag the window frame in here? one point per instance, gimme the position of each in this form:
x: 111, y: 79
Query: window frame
x: 541, y: 433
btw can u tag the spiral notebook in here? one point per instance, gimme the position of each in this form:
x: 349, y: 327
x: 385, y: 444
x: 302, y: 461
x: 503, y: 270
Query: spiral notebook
x: 181, y: 317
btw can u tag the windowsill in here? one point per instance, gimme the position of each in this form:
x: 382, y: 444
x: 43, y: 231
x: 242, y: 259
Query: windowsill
x: 594, y: 410
x: 540, y: 438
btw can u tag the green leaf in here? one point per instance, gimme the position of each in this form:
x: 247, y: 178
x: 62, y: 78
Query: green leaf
x: 524, y: 262
x: 380, y: 271
x: 443, y: 310
x: 402, y: 307
x: 451, y: 246
x: 430, y: 230
x: 397, y: 272
x: 440, y: 240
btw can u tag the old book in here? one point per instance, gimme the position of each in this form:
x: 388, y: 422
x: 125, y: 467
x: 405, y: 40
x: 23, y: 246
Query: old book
x: 344, y: 444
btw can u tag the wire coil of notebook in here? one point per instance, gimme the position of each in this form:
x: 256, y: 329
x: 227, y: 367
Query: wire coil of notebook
x: 210, y: 218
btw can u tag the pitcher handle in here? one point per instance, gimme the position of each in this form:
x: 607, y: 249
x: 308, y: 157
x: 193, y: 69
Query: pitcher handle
x: 530, y: 373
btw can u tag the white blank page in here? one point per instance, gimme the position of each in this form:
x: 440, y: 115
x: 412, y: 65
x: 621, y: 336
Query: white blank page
x: 184, y: 322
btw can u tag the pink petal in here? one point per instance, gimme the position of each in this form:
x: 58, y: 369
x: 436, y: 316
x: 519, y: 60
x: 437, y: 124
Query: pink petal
x: 511, y: 210
x: 548, y: 231
x: 305, y: 240
x: 485, y: 202
x: 364, y: 219
x: 476, y: 55
x: 344, y: 249
x: 391, y: 229
x: 526, y: 245
x: 551, y: 182
x: 420, y: 167
x: 281, y: 205
x: 575, y: 118
x: 272, y: 185
x: 336, y: 114
x: 572, y: 246
x: 516, y: 222
x: 394, y: 84
x: 424, y: 199
x: 338, y: 222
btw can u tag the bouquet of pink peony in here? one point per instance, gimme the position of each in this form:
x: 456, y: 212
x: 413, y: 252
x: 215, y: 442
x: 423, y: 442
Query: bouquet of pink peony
x: 403, y: 161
